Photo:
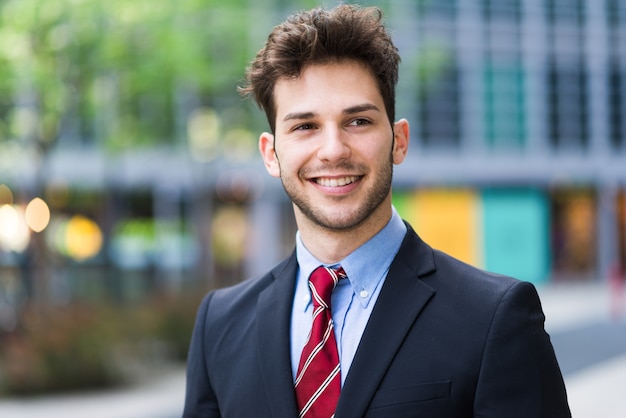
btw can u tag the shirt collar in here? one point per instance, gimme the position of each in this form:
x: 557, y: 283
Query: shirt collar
x: 364, y: 275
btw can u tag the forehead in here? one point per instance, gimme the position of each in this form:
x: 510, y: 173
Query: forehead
x: 325, y: 87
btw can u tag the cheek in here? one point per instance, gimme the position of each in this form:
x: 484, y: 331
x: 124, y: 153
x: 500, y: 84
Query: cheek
x: 381, y: 154
x: 285, y: 165
x: 291, y: 159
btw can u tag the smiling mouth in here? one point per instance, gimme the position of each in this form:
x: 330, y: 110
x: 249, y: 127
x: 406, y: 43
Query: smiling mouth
x: 336, y: 182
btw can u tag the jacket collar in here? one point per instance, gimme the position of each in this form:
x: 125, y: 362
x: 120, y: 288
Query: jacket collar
x: 273, y: 324
x: 400, y: 302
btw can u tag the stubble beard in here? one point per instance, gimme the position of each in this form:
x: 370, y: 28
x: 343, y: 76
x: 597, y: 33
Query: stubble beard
x: 353, y: 218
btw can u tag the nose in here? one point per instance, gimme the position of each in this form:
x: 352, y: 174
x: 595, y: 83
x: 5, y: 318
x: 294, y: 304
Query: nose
x: 334, y: 146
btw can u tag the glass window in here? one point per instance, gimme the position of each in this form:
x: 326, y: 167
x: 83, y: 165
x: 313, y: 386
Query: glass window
x: 501, y: 8
x: 437, y: 7
x: 613, y: 12
x: 617, y: 106
x: 438, y: 75
x: 565, y: 10
x: 439, y: 112
x: 616, y: 15
x: 567, y: 104
x: 505, y: 106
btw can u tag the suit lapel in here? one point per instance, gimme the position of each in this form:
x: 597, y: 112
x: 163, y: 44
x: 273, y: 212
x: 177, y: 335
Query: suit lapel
x: 401, y: 299
x: 273, y: 324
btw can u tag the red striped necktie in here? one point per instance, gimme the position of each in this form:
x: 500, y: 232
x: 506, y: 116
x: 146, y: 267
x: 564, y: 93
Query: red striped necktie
x: 318, y: 381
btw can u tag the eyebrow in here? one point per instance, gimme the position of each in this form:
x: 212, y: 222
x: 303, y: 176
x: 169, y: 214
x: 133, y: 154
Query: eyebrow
x: 298, y: 116
x: 361, y: 108
x: 348, y: 111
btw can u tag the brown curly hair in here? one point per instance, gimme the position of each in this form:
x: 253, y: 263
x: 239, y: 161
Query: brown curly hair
x: 319, y: 36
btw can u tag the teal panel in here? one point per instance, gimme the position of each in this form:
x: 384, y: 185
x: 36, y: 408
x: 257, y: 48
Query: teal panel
x: 516, y: 233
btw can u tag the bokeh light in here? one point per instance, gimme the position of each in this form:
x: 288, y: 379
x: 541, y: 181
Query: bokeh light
x: 241, y: 144
x: 203, y: 128
x: 230, y: 231
x: 233, y: 186
x: 37, y: 215
x: 83, y: 238
x: 14, y: 233
x: 78, y: 237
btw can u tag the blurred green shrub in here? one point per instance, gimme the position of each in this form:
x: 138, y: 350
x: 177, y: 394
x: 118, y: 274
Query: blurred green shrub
x: 80, y: 347
x: 174, y: 323
x: 59, y: 349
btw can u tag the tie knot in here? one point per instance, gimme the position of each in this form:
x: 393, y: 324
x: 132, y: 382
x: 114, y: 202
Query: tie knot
x: 322, y: 283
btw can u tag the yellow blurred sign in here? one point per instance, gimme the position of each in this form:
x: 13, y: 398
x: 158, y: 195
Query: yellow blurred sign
x: 447, y: 219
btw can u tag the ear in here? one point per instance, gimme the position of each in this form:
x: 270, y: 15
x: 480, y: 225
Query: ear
x: 401, y: 140
x: 266, y: 147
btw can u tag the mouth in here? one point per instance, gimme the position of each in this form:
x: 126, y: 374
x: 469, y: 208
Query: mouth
x: 335, y: 181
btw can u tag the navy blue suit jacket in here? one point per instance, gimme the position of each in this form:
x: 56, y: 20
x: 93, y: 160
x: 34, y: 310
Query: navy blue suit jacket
x: 444, y: 340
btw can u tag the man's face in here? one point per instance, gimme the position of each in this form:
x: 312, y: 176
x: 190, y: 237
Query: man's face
x: 334, y: 147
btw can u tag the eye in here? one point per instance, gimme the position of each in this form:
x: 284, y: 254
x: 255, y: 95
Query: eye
x: 304, y: 127
x: 360, y: 122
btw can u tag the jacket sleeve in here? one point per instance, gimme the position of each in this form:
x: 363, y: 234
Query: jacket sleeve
x: 519, y: 375
x: 200, y: 400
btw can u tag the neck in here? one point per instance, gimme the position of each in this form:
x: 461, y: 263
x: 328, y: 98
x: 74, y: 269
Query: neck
x: 333, y: 245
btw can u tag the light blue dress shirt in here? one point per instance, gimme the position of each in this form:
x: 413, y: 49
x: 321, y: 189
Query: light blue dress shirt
x: 353, y: 299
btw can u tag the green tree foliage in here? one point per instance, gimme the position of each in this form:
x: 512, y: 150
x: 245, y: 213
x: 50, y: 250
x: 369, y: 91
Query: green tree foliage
x: 120, y: 72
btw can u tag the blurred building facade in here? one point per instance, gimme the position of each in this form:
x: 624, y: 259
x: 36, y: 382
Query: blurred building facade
x: 517, y: 164
x: 523, y: 122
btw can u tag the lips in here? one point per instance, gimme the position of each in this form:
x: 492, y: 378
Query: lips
x: 336, y: 181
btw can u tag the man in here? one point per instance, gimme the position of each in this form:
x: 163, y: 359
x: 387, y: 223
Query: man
x: 408, y: 330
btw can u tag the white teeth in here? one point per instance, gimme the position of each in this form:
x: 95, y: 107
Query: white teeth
x: 336, y: 182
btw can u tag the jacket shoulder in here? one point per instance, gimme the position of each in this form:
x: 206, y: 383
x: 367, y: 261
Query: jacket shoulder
x: 242, y: 296
x: 448, y: 275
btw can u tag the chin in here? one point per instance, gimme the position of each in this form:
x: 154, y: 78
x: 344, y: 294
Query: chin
x: 340, y: 222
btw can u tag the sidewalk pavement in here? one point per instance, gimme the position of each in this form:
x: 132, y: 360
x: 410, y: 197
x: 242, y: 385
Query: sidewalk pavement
x: 595, y: 391
x: 159, y: 398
